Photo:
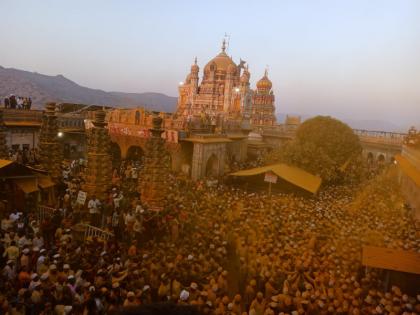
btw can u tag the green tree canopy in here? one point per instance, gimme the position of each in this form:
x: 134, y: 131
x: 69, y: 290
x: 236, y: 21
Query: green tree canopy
x: 322, y: 146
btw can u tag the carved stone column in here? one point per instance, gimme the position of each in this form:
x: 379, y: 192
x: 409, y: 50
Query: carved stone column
x: 50, y: 149
x: 99, y: 165
x: 152, y: 182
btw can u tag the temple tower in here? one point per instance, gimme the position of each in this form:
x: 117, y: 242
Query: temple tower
x: 99, y: 164
x: 152, y: 183
x: 194, y: 78
x: 50, y: 149
x: 263, y: 109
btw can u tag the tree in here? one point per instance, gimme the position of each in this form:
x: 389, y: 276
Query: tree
x: 322, y: 146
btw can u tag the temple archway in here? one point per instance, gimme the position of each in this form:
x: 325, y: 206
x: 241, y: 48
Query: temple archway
x: 381, y: 158
x: 212, y: 166
x: 370, y: 156
x: 134, y: 153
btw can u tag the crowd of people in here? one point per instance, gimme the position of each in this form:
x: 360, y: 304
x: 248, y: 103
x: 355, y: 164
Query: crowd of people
x: 17, y: 102
x: 220, y: 248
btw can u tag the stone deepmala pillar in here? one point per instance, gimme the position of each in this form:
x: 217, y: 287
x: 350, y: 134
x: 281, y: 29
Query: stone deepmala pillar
x: 50, y: 149
x: 99, y: 165
x: 4, y: 154
x: 153, y: 180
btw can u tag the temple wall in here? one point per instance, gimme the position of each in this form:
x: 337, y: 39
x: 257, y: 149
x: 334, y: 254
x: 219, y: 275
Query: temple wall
x: 238, y: 150
x: 201, y: 155
x: 387, y: 151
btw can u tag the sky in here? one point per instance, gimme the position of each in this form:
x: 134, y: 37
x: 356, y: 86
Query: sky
x: 357, y: 59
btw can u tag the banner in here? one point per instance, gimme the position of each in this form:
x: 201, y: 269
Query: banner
x: 270, y: 177
x: 140, y: 132
x: 81, y: 197
x: 127, y: 130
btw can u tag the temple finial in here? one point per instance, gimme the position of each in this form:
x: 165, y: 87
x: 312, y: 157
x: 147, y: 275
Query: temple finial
x: 195, y: 60
x: 224, y: 45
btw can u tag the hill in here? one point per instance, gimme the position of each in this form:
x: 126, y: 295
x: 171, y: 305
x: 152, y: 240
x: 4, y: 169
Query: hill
x: 44, y: 88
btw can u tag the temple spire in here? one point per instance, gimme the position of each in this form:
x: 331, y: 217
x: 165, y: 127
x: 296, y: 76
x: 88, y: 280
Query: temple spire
x: 195, y: 60
x: 224, y: 45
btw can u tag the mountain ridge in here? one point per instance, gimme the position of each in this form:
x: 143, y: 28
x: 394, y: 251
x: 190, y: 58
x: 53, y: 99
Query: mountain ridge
x: 45, y: 88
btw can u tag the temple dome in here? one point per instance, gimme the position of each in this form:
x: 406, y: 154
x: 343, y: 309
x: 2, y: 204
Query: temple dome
x: 264, y: 84
x: 221, y: 62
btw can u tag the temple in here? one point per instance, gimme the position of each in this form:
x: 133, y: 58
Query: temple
x: 224, y: 93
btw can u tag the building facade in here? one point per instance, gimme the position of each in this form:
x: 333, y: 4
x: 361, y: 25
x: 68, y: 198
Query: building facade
x: 22, y: 128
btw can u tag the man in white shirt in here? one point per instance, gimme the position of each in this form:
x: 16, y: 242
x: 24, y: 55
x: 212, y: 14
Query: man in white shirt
x: 93, y: 206
x: 117, y: 200
x: 38, y: 241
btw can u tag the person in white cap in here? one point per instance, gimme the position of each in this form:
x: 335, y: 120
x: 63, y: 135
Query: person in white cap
x: 44, y: 277
x: 42, y: 261
x: 130, y: 300
x: 38, y: 240
x: 183, y: 297
x: 14, y: 216
x: 194, y: 292
x: 24, y: 259
x: 9, y: 271
x: 146, y: 296
x: 34, y: 281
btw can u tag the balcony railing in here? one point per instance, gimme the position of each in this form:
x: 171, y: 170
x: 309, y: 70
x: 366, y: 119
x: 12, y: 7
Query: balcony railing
x: 94, y: 232
x: 44, y: 212
x: 20, y: 115
x: 380, y: 137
